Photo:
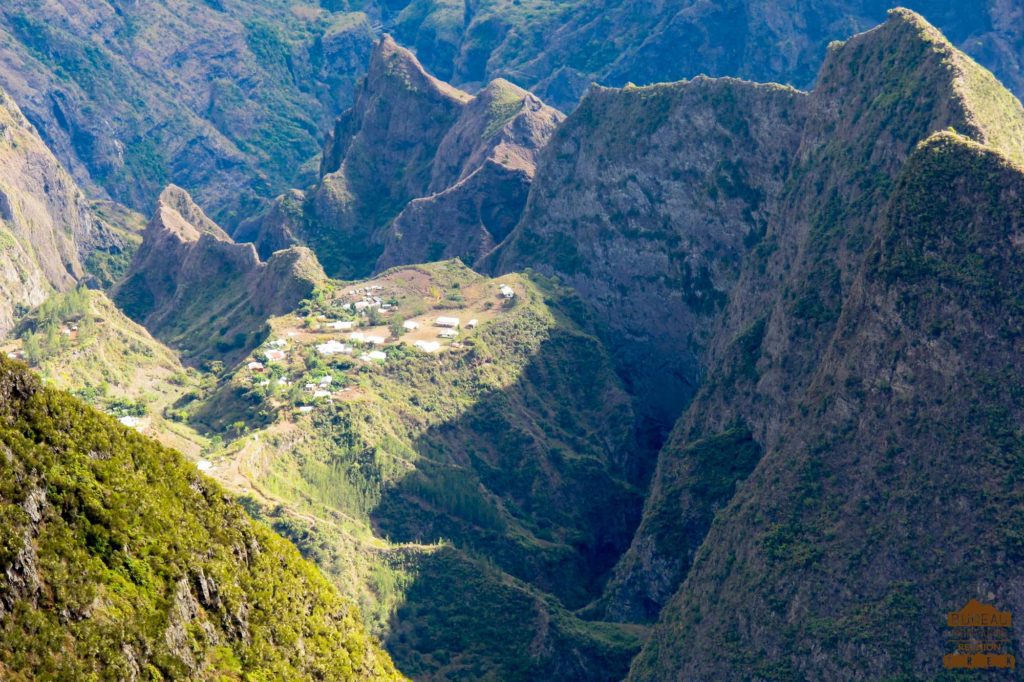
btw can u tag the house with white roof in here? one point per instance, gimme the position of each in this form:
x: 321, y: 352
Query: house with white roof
x: 449, y: 322
x: 342, y: 325
x: 472, y: 324
x: 410, y: 325
x: 428, y: 346
x: 448, y: 333
x: 507, y: 291
x: 333, y: 347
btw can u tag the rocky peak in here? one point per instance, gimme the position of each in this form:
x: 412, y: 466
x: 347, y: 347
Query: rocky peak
x: 189, y: 277
x: 503, y: 123
x: 480, y: 179
x: 418, y: 170
x: 392, y: 64
x: 178, y: 212
x: 379, y: 157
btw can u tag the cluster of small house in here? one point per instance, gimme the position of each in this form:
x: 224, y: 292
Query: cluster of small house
x: 370, y: 299
x: 448, y: 326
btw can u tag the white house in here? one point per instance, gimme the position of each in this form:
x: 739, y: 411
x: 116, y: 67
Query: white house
x: 321, y: 394
x: 450, y: 322
x: 357, y: 336
x: 255, y: 366
x: 275, y: 355
x: 428, y: 346
x: 472, y: 324
x: 410, y: 325
x: 375, y: 340
x: 342, y: 325
x: 305, y: 409
x: 507, y: 291
x: 333, y: 347
x: 326, y: 381
x: 278, y: 343
x: 448, y: 334
x: 373, y: 355
x: 130, y: 422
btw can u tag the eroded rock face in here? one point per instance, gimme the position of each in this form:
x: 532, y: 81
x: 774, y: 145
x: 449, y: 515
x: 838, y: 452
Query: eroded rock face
x: 379, y: 158
x: 480, y: 179
x: 189, y: 278
x: 44, y: 218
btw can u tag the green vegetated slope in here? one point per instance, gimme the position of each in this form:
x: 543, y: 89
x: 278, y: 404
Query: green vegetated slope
x: 120, y: 560
x: 81, y: 342
x: 507, y: 447
x: 868, y: 352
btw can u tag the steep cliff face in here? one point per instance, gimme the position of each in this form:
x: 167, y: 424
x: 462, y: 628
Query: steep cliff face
x: 189, y: 279
x: 645, y: 201
x: 43, y: 219
x: 868, y: 510
x: 480, y: 178
x: 850, y: 380
x: 879, y: 95
x: 119, y: 560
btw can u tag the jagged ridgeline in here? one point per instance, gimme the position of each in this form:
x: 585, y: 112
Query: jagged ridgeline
x: 197, y: 290
x: 120, y: 561
x: 417, y: 170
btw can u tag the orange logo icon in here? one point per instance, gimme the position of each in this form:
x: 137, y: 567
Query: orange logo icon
x: 981, y: 635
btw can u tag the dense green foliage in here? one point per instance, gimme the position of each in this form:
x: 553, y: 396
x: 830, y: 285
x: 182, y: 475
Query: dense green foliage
x: 119, y: 559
